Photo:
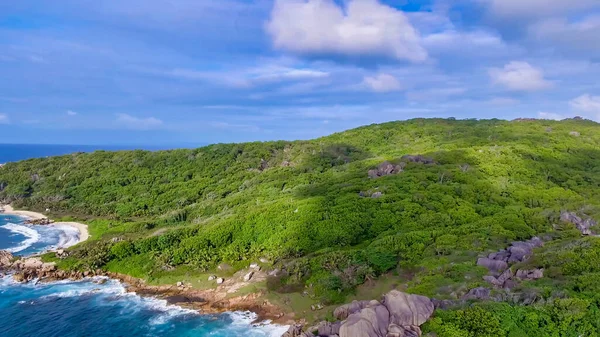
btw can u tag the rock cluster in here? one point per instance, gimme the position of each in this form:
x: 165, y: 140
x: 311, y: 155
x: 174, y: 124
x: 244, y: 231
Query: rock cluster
x: 385, y: 169
x: 582, y: 225
x: 397, y: 315
x: 501, y: 275
x: 29, y: 269
x: 40, y: 222
x: 418, y: 159
x: 374, y: 195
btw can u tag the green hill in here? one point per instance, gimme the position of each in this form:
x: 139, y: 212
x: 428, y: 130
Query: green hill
x: 457, y: 190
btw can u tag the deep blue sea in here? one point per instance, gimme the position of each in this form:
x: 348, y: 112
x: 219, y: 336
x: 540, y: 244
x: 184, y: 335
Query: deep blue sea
x: 16, y: 152
x: 85, y: 308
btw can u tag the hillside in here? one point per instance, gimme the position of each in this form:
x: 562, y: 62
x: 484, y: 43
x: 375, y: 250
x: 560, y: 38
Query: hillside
x: 337, y: 221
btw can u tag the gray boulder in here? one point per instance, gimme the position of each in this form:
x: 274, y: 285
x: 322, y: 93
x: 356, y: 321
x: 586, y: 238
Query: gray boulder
x: 418, y: 159
x: 406, y: 309
x: 478, y: 294
x: 493, y: 281
x: 505, y: 276
x: 371, y: 321
x: 582, y: 225
x: 328, y: 329
x: 492, y: 265
x: 533, y: 274
x: 342, y: 312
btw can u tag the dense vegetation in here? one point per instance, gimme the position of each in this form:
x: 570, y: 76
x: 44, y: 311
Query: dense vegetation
x: 311, y: 208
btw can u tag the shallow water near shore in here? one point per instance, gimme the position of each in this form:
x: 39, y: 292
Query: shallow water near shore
x: 86, y: 308
x: 23, y: 240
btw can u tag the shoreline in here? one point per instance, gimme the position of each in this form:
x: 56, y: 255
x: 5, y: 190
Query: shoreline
x: 81, y: 228
x: 33, y: 270
x: 204, y: 302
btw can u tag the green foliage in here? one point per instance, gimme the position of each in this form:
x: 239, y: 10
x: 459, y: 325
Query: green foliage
x: 560, y: 318
x: 300, y: 203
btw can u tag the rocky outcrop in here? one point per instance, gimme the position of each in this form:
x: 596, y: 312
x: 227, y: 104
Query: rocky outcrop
x: 5, y: 259
x: 479, y: 293
x: 501, y: 276
x: 368, y: 194
x: 519, y: 251
x: 532, y: 274
x: 584, y: 226
x: 328, y: 329
x: 39, y: 222
x: 397, y: 314
x: 385, y: 169
x: 408, y: 310
x: 418, y: 159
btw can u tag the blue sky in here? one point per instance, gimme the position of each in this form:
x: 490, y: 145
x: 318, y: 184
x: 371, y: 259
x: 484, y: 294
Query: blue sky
x: 204, y: 71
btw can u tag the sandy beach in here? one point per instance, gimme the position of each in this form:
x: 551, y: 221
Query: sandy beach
x: 82, y: 228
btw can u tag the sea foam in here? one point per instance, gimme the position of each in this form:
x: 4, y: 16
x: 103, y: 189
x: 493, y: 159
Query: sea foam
x: 30, y: 234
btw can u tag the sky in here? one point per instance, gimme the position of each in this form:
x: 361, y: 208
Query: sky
x: 206, y: 71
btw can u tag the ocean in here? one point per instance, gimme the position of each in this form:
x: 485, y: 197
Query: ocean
x: 87, y: 308
x: 17, y: 152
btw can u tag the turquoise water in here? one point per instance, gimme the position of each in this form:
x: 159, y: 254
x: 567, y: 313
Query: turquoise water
x: 86, y: 308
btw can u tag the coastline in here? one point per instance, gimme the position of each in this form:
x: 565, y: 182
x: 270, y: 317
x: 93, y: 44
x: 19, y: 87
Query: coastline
x: 81, y: 228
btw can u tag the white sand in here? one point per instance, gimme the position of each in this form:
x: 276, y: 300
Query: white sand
x: 82, y: 228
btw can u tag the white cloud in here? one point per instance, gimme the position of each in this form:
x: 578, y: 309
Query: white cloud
x: 587, y: 104
x: 71, y: 113
x: 550, y: 115
x: 136, y: 123
x: 382, y: 83
x: 456, y: 40
x: 4, y: 119
x: 435, y: 94
x: 576, y: 36
x: 538, y: 8
x: 503, y: 101
x: 280, y: 73
x: 520, y: 76
x: 361, y: 27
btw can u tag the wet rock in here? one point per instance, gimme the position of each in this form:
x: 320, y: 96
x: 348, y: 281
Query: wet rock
x: 5, y: 259
x: 19, y: 277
